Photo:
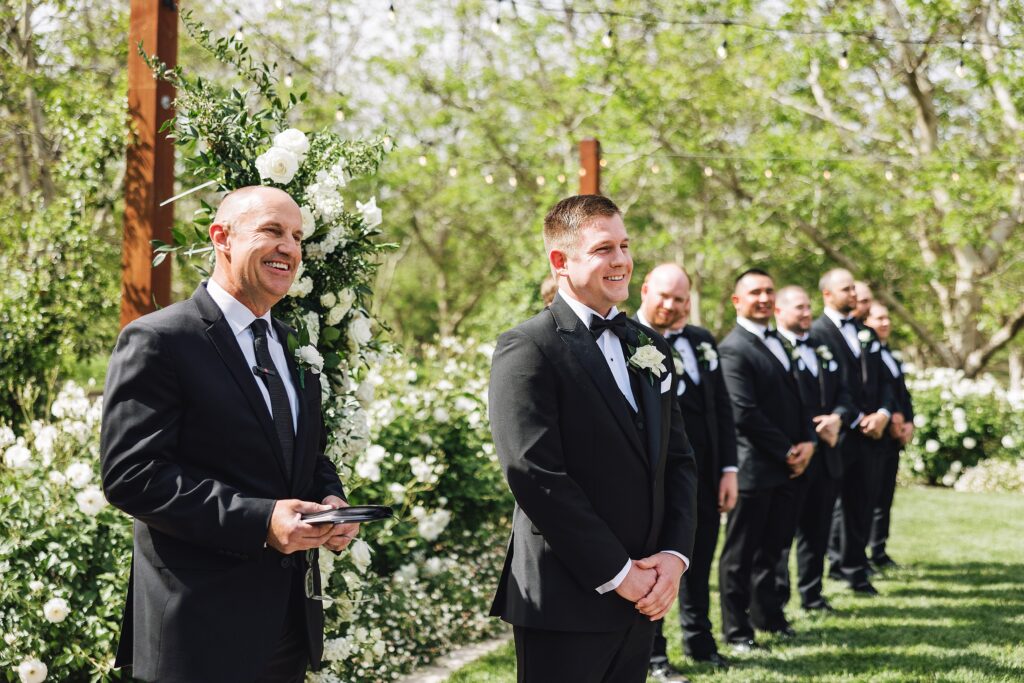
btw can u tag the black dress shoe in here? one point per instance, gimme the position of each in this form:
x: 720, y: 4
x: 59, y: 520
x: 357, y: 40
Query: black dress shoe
x: 662, y: 671
x: 784, y: 630
x: 819, y: 605
x: 884, y: 562
x: 835, y: 574
x: 745, y: 646
x: 864, y: 589
x: 714, y: 659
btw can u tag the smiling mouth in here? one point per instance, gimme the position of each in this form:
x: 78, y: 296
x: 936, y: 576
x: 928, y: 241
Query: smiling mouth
x: 278, y: 265
x: 615, y: 278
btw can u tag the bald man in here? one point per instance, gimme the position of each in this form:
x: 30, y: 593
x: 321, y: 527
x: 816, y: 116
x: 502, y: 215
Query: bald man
x: 859, y: 354
x: 214, y: 444
x: 707, y: 413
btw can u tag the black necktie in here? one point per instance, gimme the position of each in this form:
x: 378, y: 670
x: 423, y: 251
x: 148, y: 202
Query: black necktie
x: 279, y: 404
x: 617, y: 326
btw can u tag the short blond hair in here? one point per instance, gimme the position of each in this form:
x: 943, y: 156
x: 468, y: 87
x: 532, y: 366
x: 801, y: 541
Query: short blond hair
x: 567, y: 218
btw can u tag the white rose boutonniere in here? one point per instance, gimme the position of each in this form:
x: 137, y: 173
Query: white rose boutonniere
x: 647, y: 357
x: 678, y: 363
x: 864, y: 336
x: 823, y: 352
x: 308, y: 357
x: 708, y: 355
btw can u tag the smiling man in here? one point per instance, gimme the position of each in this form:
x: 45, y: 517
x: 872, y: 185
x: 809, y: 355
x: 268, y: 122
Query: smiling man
x: 592, y: 444
x: 216, y: 449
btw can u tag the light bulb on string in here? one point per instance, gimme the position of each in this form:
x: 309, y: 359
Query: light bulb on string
x: 339, y: 116
x: 423, y: 160
x: 844, y: 60
x: 655, y: 168
x: 768, y: 173
x: 279, y: 4
x: 512, y: 182
x: 392, y: 17
x: 496, y: 26
x: 489, y: 179
x: 960, y: 70
x: 827, y: 174
x: 540, y: 181
x: 1020, y: 176
x: 603, y: 163
x: 561, y: 178
x: 889, y: 175
x: 240, y: 34
x: 453, y: 171
x: 955, y: 177
x: 583, y: 172
x: 708, y: 171
x: 288, y: 80
x: 607, y: 40
x: 723, y: 50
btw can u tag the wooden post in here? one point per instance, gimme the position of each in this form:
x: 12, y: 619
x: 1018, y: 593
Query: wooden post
x: 590, y: 166
x: 149, y: 177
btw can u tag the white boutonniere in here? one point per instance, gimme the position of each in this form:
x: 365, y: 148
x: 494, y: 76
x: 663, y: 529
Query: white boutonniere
x: 708, y: 355
x: 678, y: 362
x: 307, y: 357
x: 646, y: 357
x: 794, y: 353
x: 864, y: 336
x: 823, y: 352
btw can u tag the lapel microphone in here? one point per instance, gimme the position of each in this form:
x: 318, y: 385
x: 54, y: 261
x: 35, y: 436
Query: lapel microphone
x: 265, y: 372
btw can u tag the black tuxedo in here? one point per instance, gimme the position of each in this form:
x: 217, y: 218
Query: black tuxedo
x: 890, y: 463
x: 869, y: 391
x: 189, y: 449
x: 815, y: 491
x: 707, y: 414
x: 770, y: 419
x: 594, y: 483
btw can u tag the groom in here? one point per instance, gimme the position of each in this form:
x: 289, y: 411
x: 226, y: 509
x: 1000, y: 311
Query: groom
x: 593, y: 447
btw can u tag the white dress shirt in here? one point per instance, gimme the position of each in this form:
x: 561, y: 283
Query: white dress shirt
x: 773, y: 344
x: 807, y: 355
x: 890, y: 362
x: 849, y: 331
x: 239, y: 317
x: 611, y: 348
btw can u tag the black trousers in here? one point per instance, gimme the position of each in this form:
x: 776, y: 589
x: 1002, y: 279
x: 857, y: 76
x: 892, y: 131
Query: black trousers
x: 814, y: 496
x: 851, y: 520
x: 754, y: 539
x: 291, y: 656
x: 694, y: 593
x: 883, y: 506
x: 614, y: 657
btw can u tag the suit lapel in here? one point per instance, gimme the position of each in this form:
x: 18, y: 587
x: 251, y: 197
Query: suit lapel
x: 650, y: 401
x: 760, y: 345
x: 223, y: 339
x: 584, y: 347
x: 302, y: 421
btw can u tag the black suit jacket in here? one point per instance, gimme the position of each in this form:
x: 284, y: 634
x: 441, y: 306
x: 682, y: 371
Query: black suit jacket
x: 901, y: 398
x: 824, y: 394
x: 592, y: 490
x: 866, y: 379
x: 190, y: 451
x: 767, y: 407
x: 706, y: 407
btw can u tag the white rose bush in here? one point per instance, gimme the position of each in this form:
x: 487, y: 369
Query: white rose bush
x: 960, y: 425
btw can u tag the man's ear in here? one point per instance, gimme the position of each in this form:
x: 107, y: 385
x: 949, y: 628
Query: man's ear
x: 219, y: 237
x: 557, y: 259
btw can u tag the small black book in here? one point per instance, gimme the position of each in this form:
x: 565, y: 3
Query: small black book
x: 349, y: 515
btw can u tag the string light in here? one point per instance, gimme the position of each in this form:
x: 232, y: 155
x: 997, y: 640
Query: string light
x: 583, y: 172
x: 489, y: 179
x: 391, y: 13
x: 540, y: 181
x: 561, y: 177
x: 889, y: 175
x: 453, y: 171
x: 655, y: 168
x: 827, y: 174
x: 955, y: 177
x: 512, y: 182
x: 723, y: 50
x: 602, y: 163
x: 768, y: 173
x: 607, y: 41
x: 339, y: 116
x: 240, y: 34
x: 844, y: 60
x: 289, y: 81
x: 1020, y: 176
x: 423, y: 161
x: 496, y: 26
x: 960, y: 70
x: 708, y: 171
x: 279, y: 4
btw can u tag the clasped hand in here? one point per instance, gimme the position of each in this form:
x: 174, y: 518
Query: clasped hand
x: 799, y: 457
x: 288, y: 533
x: 652, y: 584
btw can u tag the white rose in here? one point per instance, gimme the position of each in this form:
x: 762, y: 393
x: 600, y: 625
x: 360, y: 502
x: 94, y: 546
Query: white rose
x: 308, y: 222
x: 7, y: 436
x: 301, y: 287
x: 309, y: 355
x: 90, y: 501
x: 648, y: 358
x: 367, y: 469
x: 1007, y: 441
x: 79, y: 474
x: 379, y: 648
x: 32, y: 671
x: 441, y: 414
x: 431, y: 526
x: 376, y: 453
x: 970, y: 442
x: 433, y: 566
x: 18, y: 457
x: 328, y: 300
x: 56, y: 610
x: 372, y: 216
x: 359, y: 330
x: 864, y: 336
x: 312, y: 321
x: 278, y: 165
x: 397, y: 492
x: 364, y: 393
x: 920, y: 420
x: 931, y: 445
x: 293, y: 140
x: 360, y: 552
x: 57, y: 478
x: 35, y: 586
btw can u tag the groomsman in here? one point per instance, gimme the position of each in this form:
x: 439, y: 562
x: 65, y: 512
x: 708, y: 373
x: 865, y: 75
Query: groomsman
x: 858, y: 353
x: 774, y: 443
x: 592, y: 444
x: 899, y: 434
x: 865, y: 296
x: 707, y: 413
x: 827, y: 406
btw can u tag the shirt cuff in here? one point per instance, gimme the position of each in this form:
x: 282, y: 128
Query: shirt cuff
x: 885, y: 411
x: 860, y: 416
x: 731, y: 468
x: 614, y: 583
x: 686, y: 562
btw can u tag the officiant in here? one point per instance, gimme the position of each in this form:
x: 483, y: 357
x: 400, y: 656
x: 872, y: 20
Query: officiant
x: 215, y: 446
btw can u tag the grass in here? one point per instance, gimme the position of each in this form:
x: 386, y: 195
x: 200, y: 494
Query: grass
x: 953, y: 612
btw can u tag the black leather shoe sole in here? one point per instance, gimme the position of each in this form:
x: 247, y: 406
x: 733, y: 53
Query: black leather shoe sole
x: 714, y: 659
x: 864, y: 589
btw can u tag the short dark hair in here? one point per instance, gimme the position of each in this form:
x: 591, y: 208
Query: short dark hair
x: 564, y: 221
x: 749, y: 271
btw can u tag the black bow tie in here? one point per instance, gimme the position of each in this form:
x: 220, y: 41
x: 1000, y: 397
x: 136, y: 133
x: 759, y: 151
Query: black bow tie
x: 800, y: 342
x: 847, y: 321
x: 671, y: 337
x: 616, y: 325
x: 769, y: 332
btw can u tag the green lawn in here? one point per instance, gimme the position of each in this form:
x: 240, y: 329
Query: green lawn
x: 953, y: 612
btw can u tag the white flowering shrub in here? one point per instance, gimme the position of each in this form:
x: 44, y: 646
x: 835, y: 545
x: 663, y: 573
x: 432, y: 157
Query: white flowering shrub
x: 64, y: 553
x: 992, y: 475
x: 958, y: 423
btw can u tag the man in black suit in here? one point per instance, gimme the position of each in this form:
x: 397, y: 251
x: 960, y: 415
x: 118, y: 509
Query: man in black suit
x: 707, y: 413
x: 213, y: 441
x: 774, y: 443
x: 858, y: 352
x: 899, y: 434
x: 827, y: 406
x: 593, y: 448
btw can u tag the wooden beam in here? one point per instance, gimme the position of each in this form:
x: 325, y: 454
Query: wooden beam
x: 149, y: 178
x: 590, y: 166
